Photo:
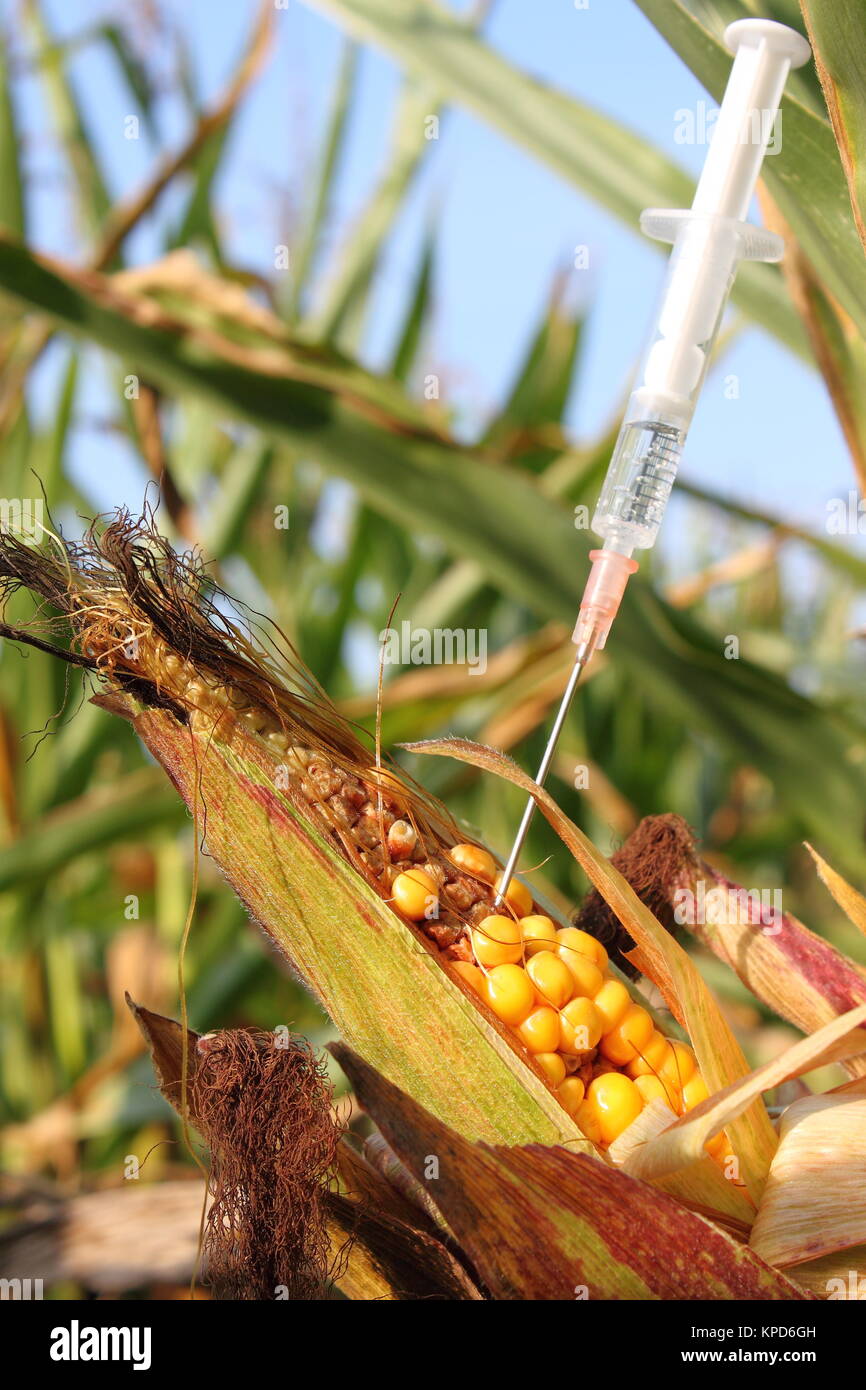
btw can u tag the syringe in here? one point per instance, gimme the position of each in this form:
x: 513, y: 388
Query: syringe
x: 709, y: 241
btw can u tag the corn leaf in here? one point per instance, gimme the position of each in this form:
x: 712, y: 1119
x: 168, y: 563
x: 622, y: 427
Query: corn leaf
x: 838, y: 40
x: 796, y: 973
x: 815, y: 1202
x: 614, y: 165
x: 103, y: 815
x: 834, y: 1277
x: 12, y: 212
x: 719, y: 1055
x: 838, y: 346
x: 338, y: 318
x: 364, y: 429
x: 852, y: 903
x: 327, y: 163
x: 547, y: 1223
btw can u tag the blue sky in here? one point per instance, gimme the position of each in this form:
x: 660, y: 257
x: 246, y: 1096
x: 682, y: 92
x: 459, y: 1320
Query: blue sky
x: 506, y: 225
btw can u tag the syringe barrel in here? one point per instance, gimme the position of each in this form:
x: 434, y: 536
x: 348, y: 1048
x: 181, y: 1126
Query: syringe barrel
x: 659, y: 411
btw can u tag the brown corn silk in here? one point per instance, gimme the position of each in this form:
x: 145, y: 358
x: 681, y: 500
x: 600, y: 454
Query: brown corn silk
x: 263, y: 1103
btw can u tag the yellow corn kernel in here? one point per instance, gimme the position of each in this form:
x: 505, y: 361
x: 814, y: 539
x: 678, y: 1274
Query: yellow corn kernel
x: 551, y: 977
x: 612, y: 1002
x: 586, y: 977
x: 497, y: 941
x: 552, y: 1065
x: 694, y: 1091
x: 573, y: 941
x: 629, y: 1037
x: 570, y: 1094
x: 651, y: 1088
x: 539, y: 934
x: 415, y: 894
x: 616, y: 1101
x: 587, y: 1120
x: 508, y: 990
x: 518, y: 896
x: 469, y: 974
x: 540, y: 1031
x: 579, y: 1026
x: 652, y: 1057
x: 474, y: 860
x: 681, y: 1067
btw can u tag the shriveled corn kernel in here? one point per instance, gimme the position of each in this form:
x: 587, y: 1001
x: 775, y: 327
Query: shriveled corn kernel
x: 508, y: 990
x: 574, y: 942
x: 652, y: 1057
x: 552, y: 1065
x: 681, y: 1067
x: 651, y: 1088
x: 517, y: 895
x: 588, y: 1121
x: 629, y: 1037
x: 393, y: 789
x: 612, y: 1002
x: 474, y: 860
x: 470, y: 974
x: 539, y: 934
x: 415, y: 894
x: 616, y: 1102
x: 551, y: 978
x: 402, y: 839
x: 579, y: 1026
x: 570, y: 1094
x: 540, y: 1031
x: 601, y: 1065
x: 497, y: 941
x: 694, y: 1091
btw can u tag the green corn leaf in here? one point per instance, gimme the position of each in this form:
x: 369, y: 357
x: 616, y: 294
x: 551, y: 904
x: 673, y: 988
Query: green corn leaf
x: 614, y: 165
x: 363, y: 428
x: 12, y: 212
x: 838, y: 37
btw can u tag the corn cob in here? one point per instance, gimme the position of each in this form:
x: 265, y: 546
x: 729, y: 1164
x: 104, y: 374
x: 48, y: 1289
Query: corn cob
x: 551, y: 987
x: 130, y: 599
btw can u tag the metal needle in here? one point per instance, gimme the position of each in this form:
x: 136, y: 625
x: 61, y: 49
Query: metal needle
x: 583, y: 654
